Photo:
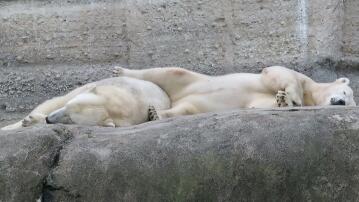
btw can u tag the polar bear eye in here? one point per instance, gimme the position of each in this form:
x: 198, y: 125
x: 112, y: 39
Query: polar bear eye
x: 344, y: 92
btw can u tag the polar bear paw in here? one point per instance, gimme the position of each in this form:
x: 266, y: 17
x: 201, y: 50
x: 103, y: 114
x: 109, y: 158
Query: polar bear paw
x: 152, y: 114
x: 282, y: 99
x: 27, y: 121
x: 118, y: 71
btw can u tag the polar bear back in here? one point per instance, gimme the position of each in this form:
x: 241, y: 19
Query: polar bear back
x: 146, y: 92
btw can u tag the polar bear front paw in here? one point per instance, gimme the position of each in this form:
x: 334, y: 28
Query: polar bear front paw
x: 282, y: 99
x: 26, y: 122
x: 118, y: 71
x: 152, y: 114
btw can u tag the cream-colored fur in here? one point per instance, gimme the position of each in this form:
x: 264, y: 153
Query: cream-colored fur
x: 110, y: 102
x: 193, y: 93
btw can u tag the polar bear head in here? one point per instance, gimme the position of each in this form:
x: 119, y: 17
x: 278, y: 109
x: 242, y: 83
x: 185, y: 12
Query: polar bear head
x: 335, y: 93
x: 84, y: 109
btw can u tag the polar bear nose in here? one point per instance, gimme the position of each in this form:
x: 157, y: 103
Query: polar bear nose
x: 48, y: 121
x: 334, y: 101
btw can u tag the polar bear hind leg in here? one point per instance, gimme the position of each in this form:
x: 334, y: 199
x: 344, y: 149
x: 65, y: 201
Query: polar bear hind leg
x: 171, y: 79
x: 182, y: 109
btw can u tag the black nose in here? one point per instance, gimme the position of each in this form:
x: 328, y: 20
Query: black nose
x: 47, y: 121
x: 341, y: 102
x: 337, y: 102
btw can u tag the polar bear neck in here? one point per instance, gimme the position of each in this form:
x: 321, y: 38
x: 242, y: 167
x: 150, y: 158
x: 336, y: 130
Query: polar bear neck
x: 309, y: 89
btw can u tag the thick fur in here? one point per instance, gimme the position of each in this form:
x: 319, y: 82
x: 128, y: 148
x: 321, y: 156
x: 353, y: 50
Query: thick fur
x: 112, y: 102
x: 193, y: 93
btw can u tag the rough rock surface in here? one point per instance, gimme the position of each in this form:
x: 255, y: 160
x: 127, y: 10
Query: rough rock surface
x: 250, y: 155
x: 26, y: 158
x: 351, y: 29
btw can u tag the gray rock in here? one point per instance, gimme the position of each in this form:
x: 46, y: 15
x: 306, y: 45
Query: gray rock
x: 249, y: 155
x: 26, y: 156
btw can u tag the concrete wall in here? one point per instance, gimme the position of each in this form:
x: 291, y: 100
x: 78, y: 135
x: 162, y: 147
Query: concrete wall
x: 351, y: 29
x: 214, y: 36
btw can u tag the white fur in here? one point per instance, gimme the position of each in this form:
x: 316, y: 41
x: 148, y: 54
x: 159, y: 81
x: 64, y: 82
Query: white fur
x: 109, y: 102
x: 193, y: 93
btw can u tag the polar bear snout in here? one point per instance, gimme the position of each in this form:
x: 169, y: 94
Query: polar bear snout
x: 336, y: 101
x: 58, y: 116
x: 48, y: 121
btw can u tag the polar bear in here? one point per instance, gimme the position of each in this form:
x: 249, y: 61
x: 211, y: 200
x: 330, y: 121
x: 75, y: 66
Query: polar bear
x: 275, y: 86
x: 112, y: 102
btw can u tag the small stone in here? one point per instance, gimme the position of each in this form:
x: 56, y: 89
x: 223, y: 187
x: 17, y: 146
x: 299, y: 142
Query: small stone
x: 49, y: 57
x: 149, y: 28
x: 89, y: 135
x: 25, y: 39
x: 19, y: 58
x: 186, y: 51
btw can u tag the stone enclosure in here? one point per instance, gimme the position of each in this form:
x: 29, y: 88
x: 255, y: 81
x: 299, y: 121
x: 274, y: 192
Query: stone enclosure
x: 48, y: 47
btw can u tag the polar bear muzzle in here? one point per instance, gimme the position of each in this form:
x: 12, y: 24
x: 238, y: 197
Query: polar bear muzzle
x: 59, y: 116
x: 334, y: 101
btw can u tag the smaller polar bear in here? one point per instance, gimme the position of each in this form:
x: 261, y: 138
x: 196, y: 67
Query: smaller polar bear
x: 113, y: 102
x: 276, y: 86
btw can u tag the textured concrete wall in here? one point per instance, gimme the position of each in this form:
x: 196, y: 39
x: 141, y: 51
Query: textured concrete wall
x: 252, y: 155
x: 325, y: 24
x: 351, y: 29
x: 210, y: 35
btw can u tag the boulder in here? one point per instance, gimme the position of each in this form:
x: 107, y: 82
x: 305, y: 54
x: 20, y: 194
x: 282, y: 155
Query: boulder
x: 307, y: 154
x: 26, y: 157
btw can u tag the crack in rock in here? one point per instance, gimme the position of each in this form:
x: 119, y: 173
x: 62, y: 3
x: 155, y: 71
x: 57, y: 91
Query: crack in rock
x: 47, y: 186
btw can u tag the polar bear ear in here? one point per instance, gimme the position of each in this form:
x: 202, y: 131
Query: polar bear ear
x: 343, y: 80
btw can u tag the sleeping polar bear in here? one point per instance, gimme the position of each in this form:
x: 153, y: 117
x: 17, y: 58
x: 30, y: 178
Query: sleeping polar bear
x: 113, y: 102
x: 276, y: 86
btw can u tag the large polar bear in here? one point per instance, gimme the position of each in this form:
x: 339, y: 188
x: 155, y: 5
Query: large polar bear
x: 193, y: 93
x: 113, y: 102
